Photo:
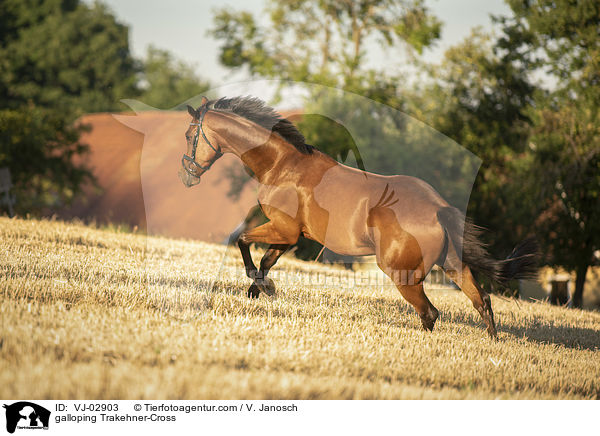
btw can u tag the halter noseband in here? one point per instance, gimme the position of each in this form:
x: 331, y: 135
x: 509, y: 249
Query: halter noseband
x: 192, y: 158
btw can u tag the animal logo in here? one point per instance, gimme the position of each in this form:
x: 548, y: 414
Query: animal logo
x: 26, y: 415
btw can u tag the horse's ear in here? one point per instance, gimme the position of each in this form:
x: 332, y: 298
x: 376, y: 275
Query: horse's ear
x: 192, y: 111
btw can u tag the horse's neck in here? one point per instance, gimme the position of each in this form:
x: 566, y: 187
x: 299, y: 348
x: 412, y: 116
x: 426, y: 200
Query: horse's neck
x: 258, y: 148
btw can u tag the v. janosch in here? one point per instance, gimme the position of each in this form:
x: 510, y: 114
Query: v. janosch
x: 267, y: 408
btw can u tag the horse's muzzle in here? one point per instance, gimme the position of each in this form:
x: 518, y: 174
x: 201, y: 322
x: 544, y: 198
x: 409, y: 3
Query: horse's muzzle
x: 187, y: 179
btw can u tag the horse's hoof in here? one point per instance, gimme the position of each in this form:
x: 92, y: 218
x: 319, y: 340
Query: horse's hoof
x: 253, y: 291
x: 428, y: 319
x: 267, y: 286
x: 427, y: 325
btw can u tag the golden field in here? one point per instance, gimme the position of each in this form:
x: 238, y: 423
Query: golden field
x: 99, y: 314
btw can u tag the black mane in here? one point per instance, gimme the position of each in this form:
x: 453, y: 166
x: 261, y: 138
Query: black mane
x: 255, y: 110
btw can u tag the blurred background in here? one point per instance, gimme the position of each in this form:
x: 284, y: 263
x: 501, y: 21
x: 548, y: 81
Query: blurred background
x: 517, y: 83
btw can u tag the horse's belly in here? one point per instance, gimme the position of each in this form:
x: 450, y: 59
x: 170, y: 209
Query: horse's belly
x: 344, y: 230
x: 350, y: 250
x: 343, y: 243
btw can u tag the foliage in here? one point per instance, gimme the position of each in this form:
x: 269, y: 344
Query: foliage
x: 59, y: 60
x: 64, y: 55
x: 40, y: 148
x: 167, y: 82
x: 568, y: 168
x: 561, y: 39
x: 321, y: 41
x: 480, y: 99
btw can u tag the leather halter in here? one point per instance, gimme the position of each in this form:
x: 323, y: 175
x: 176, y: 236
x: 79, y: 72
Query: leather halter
x: 192, y: 158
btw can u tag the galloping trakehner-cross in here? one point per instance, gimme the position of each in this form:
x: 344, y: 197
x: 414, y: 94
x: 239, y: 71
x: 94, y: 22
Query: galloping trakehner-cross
x: 400, y: 219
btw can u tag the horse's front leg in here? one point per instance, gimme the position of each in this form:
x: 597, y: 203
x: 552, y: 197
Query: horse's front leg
x: 261, y: 281
x: 280, y: 242
x: 247, y: 257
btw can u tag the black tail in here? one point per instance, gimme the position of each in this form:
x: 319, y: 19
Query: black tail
x: 520, y: 264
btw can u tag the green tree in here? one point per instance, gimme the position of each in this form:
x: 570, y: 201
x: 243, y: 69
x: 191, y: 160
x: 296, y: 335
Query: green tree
x: 480, y: 98
x: 58, y: 60
x: 567, y: 141
x: 166, y: 81
x: 39, y: 147
x: 64, y: 55
x: 561, y: 39
x: 324, y: 42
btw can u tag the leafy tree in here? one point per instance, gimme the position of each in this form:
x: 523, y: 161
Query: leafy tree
x: 561, y: 39
x: 166, y: 81
x: 480, y: 98
x: 39, y: 148
x: 64, y: 55
x: 567, y: 139
x: 323, y: 41
x: 58, y: 60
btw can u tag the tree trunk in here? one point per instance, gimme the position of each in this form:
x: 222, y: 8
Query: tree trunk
x: 580, y: 273
x: 559, y: 294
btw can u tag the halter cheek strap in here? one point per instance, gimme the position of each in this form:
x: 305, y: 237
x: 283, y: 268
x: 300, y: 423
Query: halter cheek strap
x: 192, y: 159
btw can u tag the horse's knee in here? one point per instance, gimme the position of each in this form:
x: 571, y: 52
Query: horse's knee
x: 243, y: 240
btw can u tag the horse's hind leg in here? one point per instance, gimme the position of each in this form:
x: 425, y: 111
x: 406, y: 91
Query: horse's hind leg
x: 405, y: 267
x: 399, y: 255
x: 415, y: 295
x: 480, y: 299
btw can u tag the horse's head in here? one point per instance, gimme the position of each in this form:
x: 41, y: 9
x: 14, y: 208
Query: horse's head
x: 201, y: 152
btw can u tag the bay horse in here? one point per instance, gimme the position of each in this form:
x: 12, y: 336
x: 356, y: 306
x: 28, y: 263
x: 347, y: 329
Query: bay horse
x: 401, y: 220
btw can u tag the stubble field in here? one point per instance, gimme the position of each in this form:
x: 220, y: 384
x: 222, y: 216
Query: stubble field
x: 98, y: 314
